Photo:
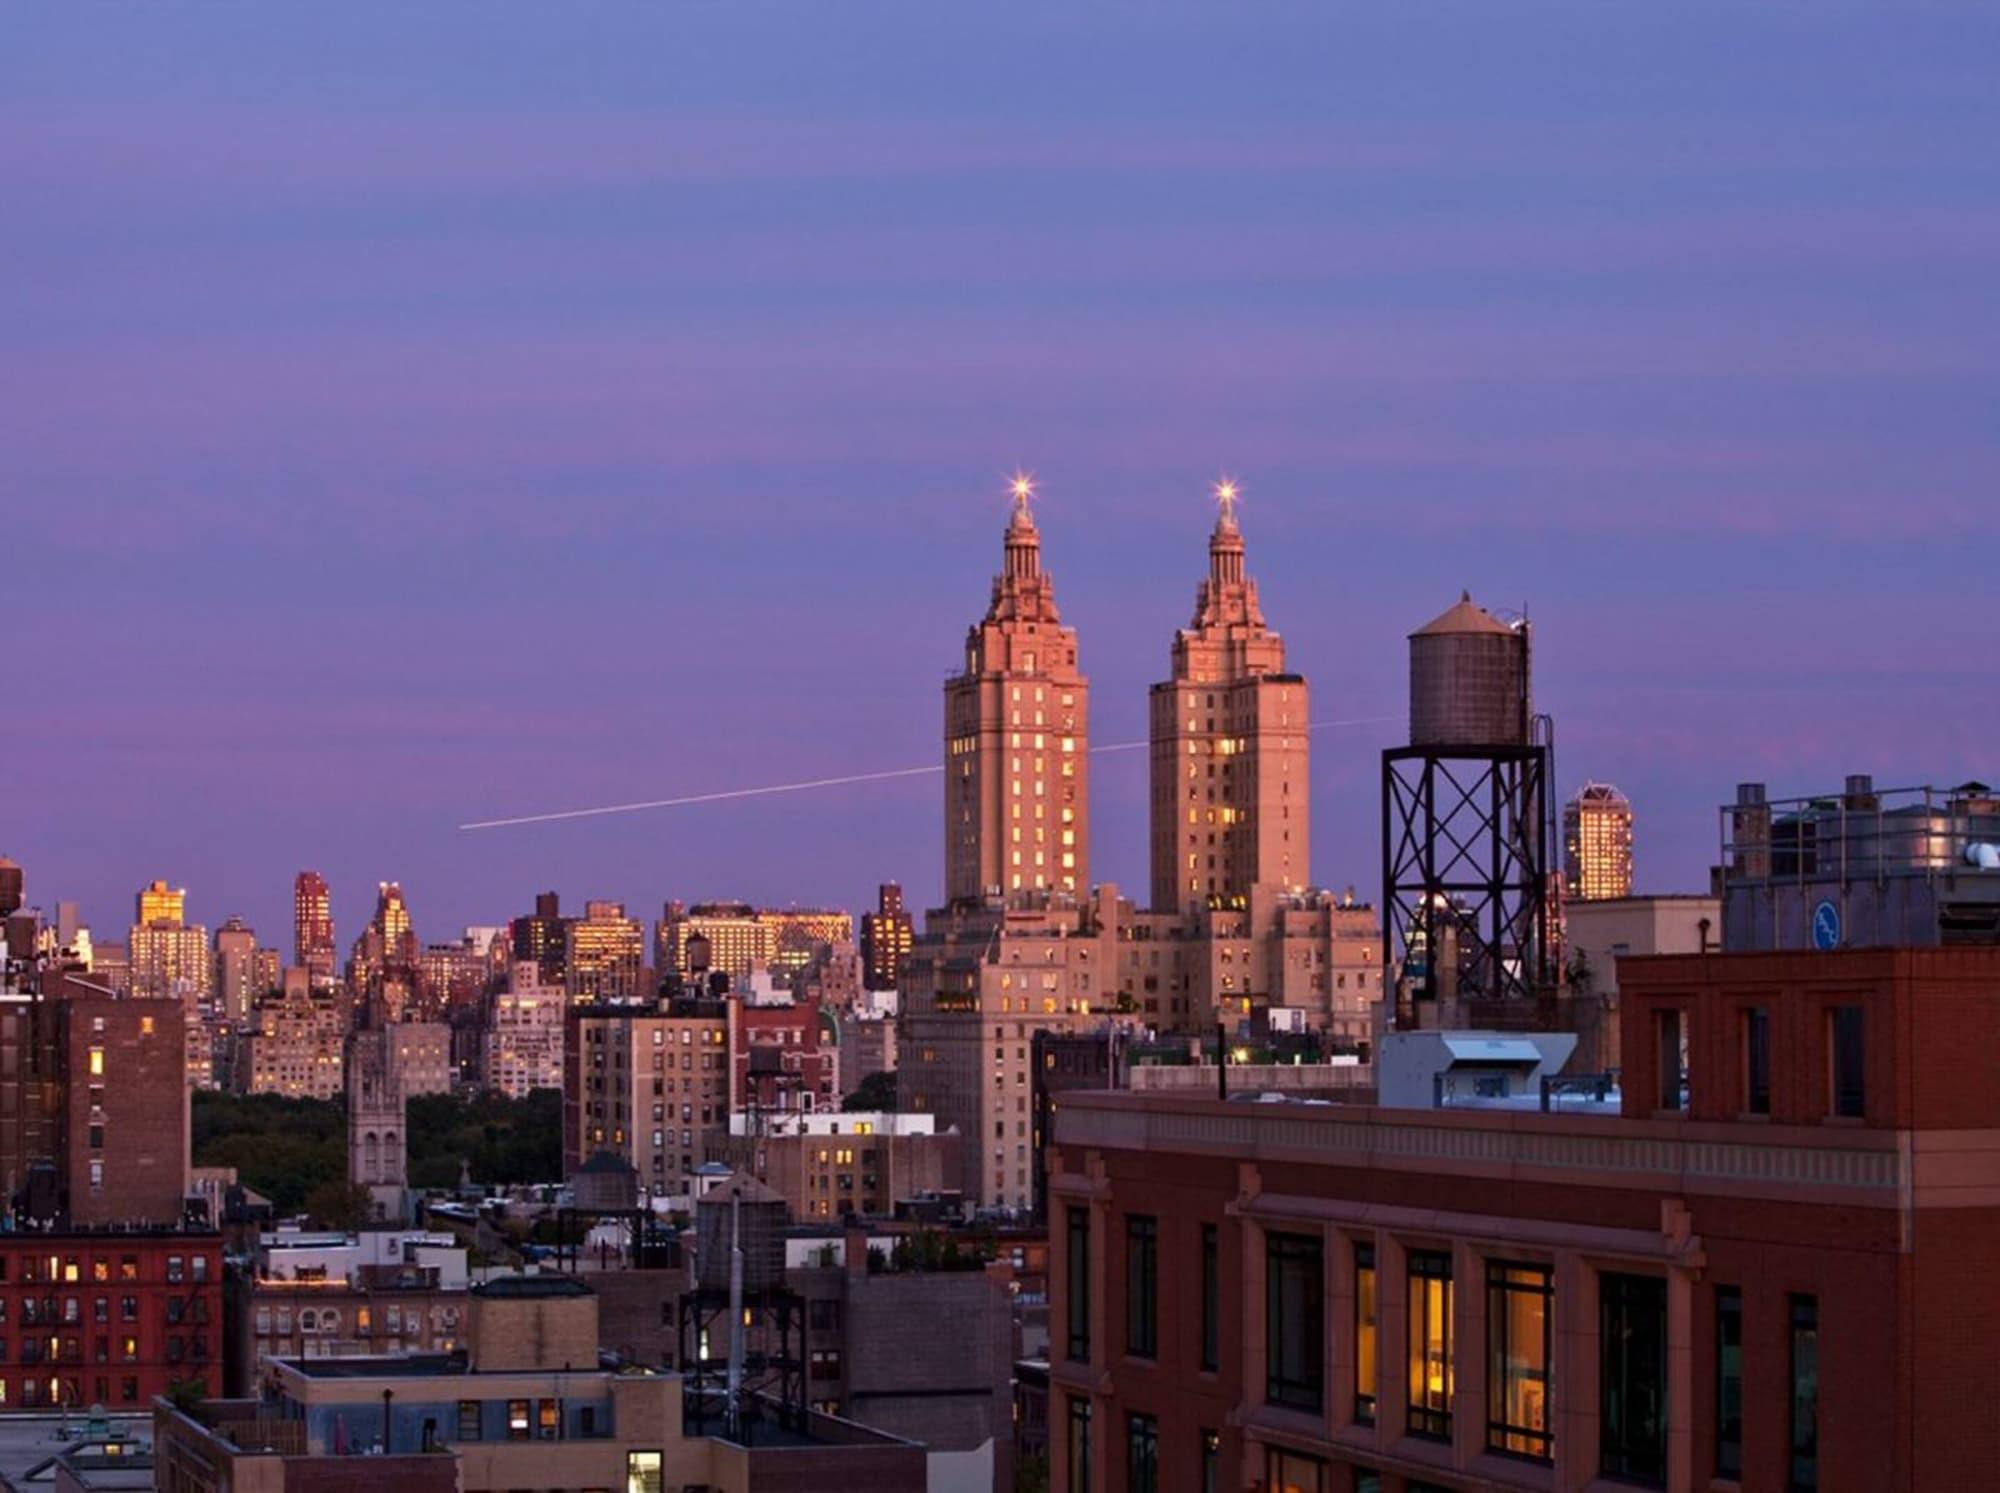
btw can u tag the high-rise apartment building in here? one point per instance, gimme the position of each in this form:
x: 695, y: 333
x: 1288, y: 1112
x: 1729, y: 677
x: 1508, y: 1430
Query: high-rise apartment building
x: 886, y: 936
x: 646, y: 1083
x: 1016, y: 739
x: 169, y: 956
x: 604, y: 954
x: 312, y: 927
x: 1597, y: 844
x: 386, y: 954
x: 802, y: 935
x: 738, y: 939
x: 1230, y: 806
x: 236, y: 969
x: 523, y: 1044
x: 295, y: 1045
x: 159, y: 903
x: 540, y: 937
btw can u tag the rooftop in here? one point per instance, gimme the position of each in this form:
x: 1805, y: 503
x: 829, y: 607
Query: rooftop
x: 531, y: 1287
x: 384, y: 1366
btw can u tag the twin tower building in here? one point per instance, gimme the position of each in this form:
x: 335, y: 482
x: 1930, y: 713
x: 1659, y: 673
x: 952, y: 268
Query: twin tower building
x: 1025, y: 944
x: 1228, y: 740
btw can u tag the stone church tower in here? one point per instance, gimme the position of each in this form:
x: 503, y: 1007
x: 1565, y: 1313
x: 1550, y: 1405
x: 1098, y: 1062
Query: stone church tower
x: 377, y: 1115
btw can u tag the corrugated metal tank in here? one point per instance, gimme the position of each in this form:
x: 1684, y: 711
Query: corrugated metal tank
x: 1468, y: 680
x: 764, y: 1223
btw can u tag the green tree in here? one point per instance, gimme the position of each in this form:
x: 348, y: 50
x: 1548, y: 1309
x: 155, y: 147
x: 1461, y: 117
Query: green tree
x: 340, y: 1205
x: 876, y: 1091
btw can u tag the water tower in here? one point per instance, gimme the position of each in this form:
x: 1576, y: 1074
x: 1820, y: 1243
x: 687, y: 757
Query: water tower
x: 1466, y: 832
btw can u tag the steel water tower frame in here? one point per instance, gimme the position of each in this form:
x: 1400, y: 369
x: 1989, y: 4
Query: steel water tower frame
x: 1467, y: 820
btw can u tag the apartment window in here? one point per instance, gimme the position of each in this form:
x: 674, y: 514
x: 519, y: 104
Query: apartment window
x: 1756, y: 1061
x: 1804, y: 1320
x: 1142, y: 1454
x: 1211, y: 1298
x: 1078, y: 1224
x: 1518, y: 1342
x: 517, y: 1420
x: 1364, y: 1333
x: 1846, y: 1050
x: 643, y: 1472
x: 548, y: 1420
x: 468, y: 1420
x: 1632, y: 1378
x: 1728, y: 1382
x: 1294, y: 1321
x: 1142, y: 1281
x: 1672, y: 1028
x: 1211, y: 1462
x: 1429, y: 1314
x: 1079, y: 1444
x: 1292, y: 1472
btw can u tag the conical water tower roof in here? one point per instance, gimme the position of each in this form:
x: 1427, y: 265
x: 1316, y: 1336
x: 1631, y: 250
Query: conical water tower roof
x: 1465, y: 616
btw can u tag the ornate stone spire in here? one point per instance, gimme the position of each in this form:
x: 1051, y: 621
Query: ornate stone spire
x: 1227, y: 598
x: 1021, y: 592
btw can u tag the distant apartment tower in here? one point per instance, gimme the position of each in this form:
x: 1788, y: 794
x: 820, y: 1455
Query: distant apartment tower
x: 238, y: 969
x: 646, y: 1084
x: 738, y: 939
x: 523, y: 1044
x: 159, y: 903
x: 312, y: 927
x: 604, y: 954
x: 887, y: 934
x: 540, y: 937
x: 295, y: 1043
x: 1230, y: 800
x: 802, y: 935
x: 169, y: 957
x: 1597, y: 844
x: 386, y: 953
x: 1016, y: 739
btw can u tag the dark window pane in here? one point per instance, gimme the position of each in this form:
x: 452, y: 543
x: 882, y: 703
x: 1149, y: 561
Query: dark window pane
x: 1632, y: 1376
x: 1757, y: 1062
x: 1805, y: 1392
x: 1294, y: 1321
x: 1728, y: 1382
x: 1211, y: 1298
x: 1142, y: 1454
x: 1079, y: 1444
x: 1849, y: 1086
x: 1672, y: 1060
x: 1142, y: 1274
x: 1078, y: 1285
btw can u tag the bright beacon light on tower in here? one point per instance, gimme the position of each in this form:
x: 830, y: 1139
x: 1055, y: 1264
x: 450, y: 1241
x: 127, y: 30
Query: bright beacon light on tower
x: 1022, y: 486
x: 1227, y: 490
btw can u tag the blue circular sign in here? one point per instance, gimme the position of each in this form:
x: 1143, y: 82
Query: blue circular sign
x: 1826, y: 926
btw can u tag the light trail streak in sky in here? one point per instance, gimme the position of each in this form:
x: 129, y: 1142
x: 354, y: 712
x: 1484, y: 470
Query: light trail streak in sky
x: 811, y: 784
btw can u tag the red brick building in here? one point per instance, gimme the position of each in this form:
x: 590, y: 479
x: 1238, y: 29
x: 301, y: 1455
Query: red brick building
x: 1775, y: 1269
x: 109, y: 1317
x: 781, y: 1062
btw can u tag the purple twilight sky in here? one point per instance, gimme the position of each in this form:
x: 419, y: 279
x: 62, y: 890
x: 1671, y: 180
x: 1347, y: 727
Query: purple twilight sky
x: 420, y: 413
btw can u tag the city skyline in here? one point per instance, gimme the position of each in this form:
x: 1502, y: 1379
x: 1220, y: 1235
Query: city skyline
x: 692, y: 416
